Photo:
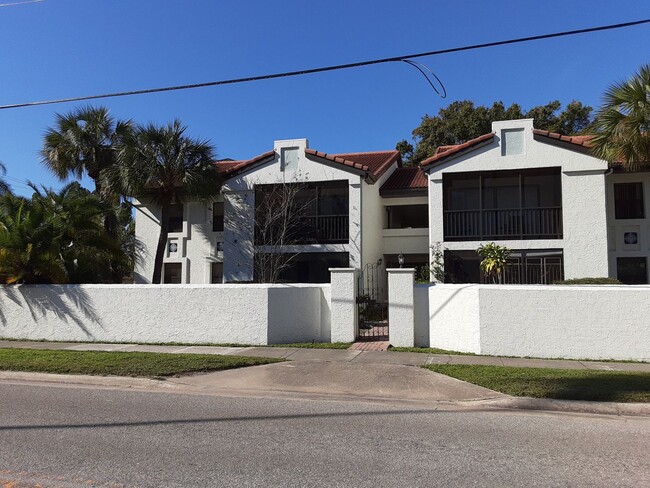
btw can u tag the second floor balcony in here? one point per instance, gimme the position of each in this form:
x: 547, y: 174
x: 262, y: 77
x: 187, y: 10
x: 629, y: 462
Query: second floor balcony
x: 503, y: 205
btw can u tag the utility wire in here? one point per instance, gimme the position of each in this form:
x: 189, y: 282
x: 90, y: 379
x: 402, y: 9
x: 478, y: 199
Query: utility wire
x: 330, y: 68
x: 13, y: 4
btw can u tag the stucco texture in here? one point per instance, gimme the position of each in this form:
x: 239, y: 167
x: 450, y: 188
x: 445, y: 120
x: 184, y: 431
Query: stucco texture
x: 242, y: 314
x: 574, y: 322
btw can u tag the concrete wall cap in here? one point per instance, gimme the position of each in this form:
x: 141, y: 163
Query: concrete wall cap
x: 401, y: 270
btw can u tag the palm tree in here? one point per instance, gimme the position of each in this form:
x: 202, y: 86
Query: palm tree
x: 161, y: 165
x: 28, y: 252
x: 623, y: 122
x: 4, y: 186
x: 83, y: 142
x: 55, y: 238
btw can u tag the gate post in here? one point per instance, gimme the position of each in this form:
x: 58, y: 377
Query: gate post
x: 344, y: 304
x: 401, y: 311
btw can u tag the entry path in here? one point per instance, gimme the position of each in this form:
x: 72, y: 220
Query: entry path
x: 340, y: 355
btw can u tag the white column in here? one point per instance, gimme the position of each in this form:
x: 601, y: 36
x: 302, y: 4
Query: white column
x: 401, y: 312
x: 344, y: 304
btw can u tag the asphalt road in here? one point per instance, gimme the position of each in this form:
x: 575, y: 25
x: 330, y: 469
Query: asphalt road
x: 68, y: 437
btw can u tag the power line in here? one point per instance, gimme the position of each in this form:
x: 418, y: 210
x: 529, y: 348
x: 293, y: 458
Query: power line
x: 329, y: 68
x: 13, y: 4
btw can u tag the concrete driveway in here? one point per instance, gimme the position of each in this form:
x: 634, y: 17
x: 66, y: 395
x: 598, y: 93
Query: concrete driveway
x: 378, y: 381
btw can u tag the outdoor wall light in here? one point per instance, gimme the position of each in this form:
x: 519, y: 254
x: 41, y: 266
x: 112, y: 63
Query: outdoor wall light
x: 400, y: 259
x: 379, y: 261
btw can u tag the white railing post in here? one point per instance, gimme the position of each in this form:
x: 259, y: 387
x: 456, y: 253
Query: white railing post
x: 401, y: 311
x: 344, y: 304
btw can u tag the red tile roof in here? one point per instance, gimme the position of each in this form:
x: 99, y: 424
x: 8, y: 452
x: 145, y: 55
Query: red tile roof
x: 374, y: 163
x: 445, y: 152
x: 230, y: 167
x: 583, y: 141
x: 406, y: 179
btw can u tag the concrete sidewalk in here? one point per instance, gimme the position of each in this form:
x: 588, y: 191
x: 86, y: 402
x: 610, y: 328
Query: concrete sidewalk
x: 340, y: 355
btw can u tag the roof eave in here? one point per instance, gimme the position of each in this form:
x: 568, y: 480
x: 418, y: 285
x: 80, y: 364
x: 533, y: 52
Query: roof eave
x: 446, y: 158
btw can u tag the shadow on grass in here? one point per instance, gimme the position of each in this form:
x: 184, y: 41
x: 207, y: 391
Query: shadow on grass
x: 561, y: 384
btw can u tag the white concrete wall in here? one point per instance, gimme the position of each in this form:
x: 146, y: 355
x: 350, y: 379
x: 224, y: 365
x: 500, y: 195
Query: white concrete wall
x: 583, y: 198
x: 344, y: 321
x: 577, y: 322
x: 401, y: 313
x: 421, y: 315
x: 454, y: 317
x: 242, y: 314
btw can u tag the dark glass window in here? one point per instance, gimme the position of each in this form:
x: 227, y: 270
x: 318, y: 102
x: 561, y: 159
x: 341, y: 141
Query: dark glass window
x: 217, y: 217
x: 632, y: 271
x: 173, y: 273
x: 408, y: 216
x: 217, y: 273
x: 175, y: 218
x: 312, y: 267
x: 628, y: 200
x: 314, y: 213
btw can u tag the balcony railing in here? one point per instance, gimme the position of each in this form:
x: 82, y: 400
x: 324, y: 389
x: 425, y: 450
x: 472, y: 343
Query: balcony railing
x: 512, y: 223
x: 309, y: 229
x: 323, y: 229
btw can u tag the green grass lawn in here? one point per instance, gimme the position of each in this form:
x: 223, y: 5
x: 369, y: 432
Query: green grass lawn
x: 146, y: 364
x: 315, y: 345
x: 564, y: 384
x: 430, y: 350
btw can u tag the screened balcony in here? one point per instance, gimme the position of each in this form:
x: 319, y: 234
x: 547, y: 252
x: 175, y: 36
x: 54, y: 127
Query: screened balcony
x: 302, y: 213
x: 503, y: 205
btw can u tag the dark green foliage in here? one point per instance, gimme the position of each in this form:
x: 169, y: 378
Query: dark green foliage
x: 83, y: 142
x: 462, y: 121
x: 589, y: 281
x: 60, y: 238
x: 623, y: 122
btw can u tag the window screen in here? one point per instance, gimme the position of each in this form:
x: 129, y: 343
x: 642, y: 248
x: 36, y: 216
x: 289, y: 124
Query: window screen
x: 628, y: 200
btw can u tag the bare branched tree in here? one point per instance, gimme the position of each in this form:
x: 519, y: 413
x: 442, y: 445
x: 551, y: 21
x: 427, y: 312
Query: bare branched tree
x: 284, y: 217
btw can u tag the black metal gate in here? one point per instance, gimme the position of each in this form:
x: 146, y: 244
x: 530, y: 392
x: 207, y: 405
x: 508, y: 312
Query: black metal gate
x: 372, y: 304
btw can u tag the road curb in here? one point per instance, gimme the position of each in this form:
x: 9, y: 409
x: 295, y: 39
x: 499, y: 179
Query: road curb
x: 568, y: 406
x: 173, y: 386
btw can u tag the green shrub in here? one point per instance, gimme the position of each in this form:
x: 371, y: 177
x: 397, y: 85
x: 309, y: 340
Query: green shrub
x: 589, y: 281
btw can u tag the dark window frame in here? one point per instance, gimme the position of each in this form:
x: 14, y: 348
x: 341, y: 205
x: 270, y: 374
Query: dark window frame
x: 642, y: 265
x: 166, y: 276
x: 212, y: 273
x: 218, y: 220
x: 626, y: 208
x: 175, y: 221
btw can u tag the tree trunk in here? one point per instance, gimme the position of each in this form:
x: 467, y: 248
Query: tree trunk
x: 162, y: 243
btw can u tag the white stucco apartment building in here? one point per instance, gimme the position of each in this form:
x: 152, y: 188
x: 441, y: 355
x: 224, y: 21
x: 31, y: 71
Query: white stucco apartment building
x: 563, y: 212
x: 365, y: 209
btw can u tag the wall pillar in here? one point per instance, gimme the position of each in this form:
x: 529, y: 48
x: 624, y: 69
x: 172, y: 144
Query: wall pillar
x: 401, y: 311
x: 344, y: 304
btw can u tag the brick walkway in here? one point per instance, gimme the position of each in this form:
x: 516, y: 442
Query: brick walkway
x: 370, y: 346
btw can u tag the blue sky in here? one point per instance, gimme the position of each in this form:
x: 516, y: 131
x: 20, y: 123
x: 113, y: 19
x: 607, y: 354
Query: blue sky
x: 62, y: 48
